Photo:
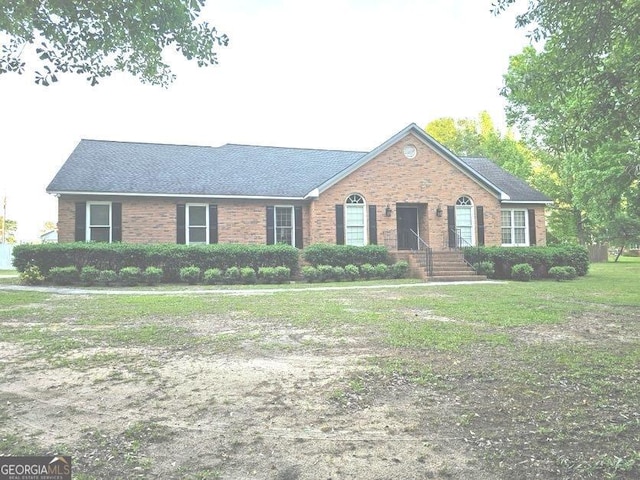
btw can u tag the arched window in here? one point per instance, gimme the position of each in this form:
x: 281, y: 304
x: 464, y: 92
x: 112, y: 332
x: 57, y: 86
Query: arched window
x: 464, y: 220
x: 355, y: 220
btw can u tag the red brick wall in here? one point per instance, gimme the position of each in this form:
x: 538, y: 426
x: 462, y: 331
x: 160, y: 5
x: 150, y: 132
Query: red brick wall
x: 153, y: 219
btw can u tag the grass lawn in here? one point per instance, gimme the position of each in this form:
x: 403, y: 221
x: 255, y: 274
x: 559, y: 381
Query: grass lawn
x: 506, y: 380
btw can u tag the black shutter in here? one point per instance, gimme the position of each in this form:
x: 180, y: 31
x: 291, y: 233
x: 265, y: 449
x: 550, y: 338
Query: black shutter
x: 480, y: 220
x: 271, y: 229
x: 532, y: 227
x: 213, y: 224
x: 116, y: 222
x: 373, y: 228
x: 81, y: 222
x: 451, y: 225
x: 181, y: 232
x: 339, y: 224
x: 297, y: 211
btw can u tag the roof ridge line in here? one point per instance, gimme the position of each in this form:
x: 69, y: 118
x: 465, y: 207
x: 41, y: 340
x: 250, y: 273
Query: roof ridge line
x: 294, y: 148
x: 147, y: 143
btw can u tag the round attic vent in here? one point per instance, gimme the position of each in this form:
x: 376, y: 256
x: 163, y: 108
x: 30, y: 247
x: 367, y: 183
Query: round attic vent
x: 409, y: 151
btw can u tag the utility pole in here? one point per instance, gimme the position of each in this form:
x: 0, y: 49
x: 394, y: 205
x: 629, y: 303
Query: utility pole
x: 4, y: 220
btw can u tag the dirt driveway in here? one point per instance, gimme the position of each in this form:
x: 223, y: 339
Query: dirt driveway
x: 259, y: 400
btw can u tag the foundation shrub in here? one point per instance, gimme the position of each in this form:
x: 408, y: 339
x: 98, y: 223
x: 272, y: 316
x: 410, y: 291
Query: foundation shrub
x: 282, y: 274
x: 338, y: 273
x: 130, y: 276
x: 213, y: 276
x: 248, y: 275
x: 152, y: 275
x: 310, y: 274
x: 522, y: 272
x: 89, y: 275
x: 31, y: 276
x: 541, y: 259
x: 400, y: 269
x: 232, y: 275
x: 352, y: 272
x: 486, y: 268
x: 107, y: 278
x: 381, y: 270
x: 191, y: 274
x: 325, y: 272
x: 64, y: 275
x: 343, y: 255
x: 367, y: 271
x: 278, y: 274
x: 562, y: 273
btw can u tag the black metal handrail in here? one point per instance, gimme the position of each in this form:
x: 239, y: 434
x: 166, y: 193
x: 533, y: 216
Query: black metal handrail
x: 428, y: 252
x: 459, y: 242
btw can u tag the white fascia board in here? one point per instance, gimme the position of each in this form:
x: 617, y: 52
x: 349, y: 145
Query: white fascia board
x: 315, y: 193
x: 530, y: 202
x: 176, y: 195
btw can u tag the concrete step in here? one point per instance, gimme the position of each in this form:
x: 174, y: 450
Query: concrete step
x: 459, y: 271
x: 447, y: 266
x: 457, y: 278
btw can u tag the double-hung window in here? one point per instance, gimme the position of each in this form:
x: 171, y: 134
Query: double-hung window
x: 197, y: 221
x: 284, y: 225
x: 514, y: 228
x: 98, y: 226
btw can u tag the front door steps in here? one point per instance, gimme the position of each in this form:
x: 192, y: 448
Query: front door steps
x: 448, y: 266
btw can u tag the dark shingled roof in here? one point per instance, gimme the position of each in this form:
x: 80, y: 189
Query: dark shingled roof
x: 97, y: 166
x: 517, y: 189
x: 242, y: 170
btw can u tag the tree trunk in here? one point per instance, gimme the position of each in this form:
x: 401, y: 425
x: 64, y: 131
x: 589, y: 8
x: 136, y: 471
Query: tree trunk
x: 577, y: 214
x: 619, y: 253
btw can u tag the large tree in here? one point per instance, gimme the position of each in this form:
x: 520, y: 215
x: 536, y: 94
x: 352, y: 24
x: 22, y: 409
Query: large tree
x: 95, y: 38
x: 576, y: 93
x: 468, y: 137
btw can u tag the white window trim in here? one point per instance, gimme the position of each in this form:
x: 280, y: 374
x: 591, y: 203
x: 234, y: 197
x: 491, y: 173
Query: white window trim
x: 293, y: 223
x: 88, y: 225
x: 187, y: 225
x: 513, y: 226
x: 365, y: 217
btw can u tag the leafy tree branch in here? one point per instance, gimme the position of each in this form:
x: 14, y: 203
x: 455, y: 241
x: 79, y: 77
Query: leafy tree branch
x: 95, y: 38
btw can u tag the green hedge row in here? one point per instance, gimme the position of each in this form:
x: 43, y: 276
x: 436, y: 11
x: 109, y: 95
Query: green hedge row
x: 169, y: 257
x: 541, y: 259
x: 343, y: 255
x: 366, y: 271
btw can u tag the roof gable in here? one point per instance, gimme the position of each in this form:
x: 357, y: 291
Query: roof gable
x: 433, y: 144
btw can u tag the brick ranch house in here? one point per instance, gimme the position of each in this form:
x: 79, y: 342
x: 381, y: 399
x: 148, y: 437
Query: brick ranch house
x: 407, y: 193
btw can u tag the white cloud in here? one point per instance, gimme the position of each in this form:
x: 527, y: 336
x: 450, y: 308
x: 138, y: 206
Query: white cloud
x: 320, y: 74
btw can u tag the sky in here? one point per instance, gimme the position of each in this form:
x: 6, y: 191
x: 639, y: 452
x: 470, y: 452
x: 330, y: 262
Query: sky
x: 327, y: 74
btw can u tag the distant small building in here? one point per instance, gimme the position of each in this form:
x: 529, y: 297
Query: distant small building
x: 49, y: 237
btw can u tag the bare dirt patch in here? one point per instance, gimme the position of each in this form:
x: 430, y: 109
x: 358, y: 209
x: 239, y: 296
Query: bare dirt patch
x: 263, y: 402
x: 232, y: 396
